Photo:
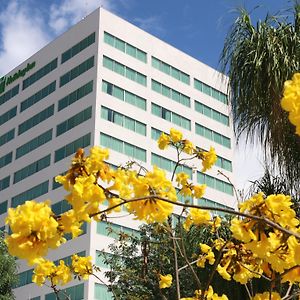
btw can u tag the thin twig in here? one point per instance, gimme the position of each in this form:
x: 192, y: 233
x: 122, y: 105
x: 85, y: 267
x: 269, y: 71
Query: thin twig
x: 188, y: 205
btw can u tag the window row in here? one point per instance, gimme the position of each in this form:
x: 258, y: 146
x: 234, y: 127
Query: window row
x: 38, y: 96
x: 122, y: 147
x: 61, y: 207
x: 34, y: 143
x: 215, y: 183
x: 36, y: 119
x: 74, y: 121
x: 5, y: 159
x: 8, y: 115
x: 77, y: 71
x: 89, y: 40
x: 4, y: 183
x: 213, y: 136
x: 114, y: 230
x: 210, y: 91
x: 40, y: 73
x: 224, y: 163
x: 170, y: 116
x: 32, y: 168
x: 3, y: 207
x: 207, y: 202
x: 122, y: 120
x: 31, y: 193
x: 211, y: 113
x: 169, y: 70
x: 9, y: 94
x: 24, y: 278
x: 125, y: 47
x: 170, y: 93
x: 75, y: 96
x: 72, y: 147
x: 68, y: 259
x: 124, y: 70
x: 74, y: 293
x: 6, y: 137
x: 169, y: 165
x: 123, y: 95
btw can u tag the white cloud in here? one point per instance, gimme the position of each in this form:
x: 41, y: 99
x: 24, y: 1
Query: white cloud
x: 22, y: 34
x: 151, y: 24
x: 69, y: 12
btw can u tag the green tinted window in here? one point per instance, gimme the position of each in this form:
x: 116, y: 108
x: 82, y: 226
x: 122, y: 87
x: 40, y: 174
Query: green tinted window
x: 72, y: 147
x: 30, y: 194
x: 170, y: 70
x: 75, y: 72
x: 125, y: 47
x: 210, y: 91
x: 78, y: 47
x: 6, y: 137
x: 4, y: 183
x: 40, y: 73
x: 170, y: 93
x: 34, y: 143
x: 3, y: 207
x: 122, y: 147
x: 32, y: 168
x: 9, y: 94
x: 73, y: 293
x: 5, y: 159
x: 122, y: 120
x: 74, y: 121
x: 75, y: 96
x: 8, y: 115
x: 40, y: 95
x: 170, y: 116
x: 215, y: 183
x: 211, y: 113
x: 124, y: 95
x: 213, y: 136
x: 36, y: 119
x: 124, y: 70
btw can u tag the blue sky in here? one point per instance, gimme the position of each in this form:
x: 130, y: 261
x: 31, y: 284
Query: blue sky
x: 197, y: 27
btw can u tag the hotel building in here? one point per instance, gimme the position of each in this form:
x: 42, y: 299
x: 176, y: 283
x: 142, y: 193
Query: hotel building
x: 105, y: 82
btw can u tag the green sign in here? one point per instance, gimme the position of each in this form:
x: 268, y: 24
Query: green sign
x: 5, y: 81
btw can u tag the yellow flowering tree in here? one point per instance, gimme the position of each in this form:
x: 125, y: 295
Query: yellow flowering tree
x: 265, y: 240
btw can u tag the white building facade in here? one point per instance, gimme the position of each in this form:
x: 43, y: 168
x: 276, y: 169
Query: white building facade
x: 105, y: 82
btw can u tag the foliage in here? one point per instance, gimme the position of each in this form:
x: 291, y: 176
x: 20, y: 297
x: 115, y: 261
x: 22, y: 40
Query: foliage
x: 8, y: 271
x: 259, y: 59
x: 136, y: 260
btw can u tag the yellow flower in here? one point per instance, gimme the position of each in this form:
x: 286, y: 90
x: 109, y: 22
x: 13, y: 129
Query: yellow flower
x: 163, y: 141
x: 188, y: 147
x: 176, y: 135
x: 208, y: 159
x: 34, y: 231
x: 153, y: 183
x: 196, y: 216
x: 266, y: 296
x: 182, y: 178
x: 82, y: 266
x: 165, y: 281
x: 57, y: 275
x: 291, y: 100
x: 199, y: 190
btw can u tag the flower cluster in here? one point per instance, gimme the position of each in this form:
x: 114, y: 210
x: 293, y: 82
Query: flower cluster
x: 34, y: 230
x: 291, y: 100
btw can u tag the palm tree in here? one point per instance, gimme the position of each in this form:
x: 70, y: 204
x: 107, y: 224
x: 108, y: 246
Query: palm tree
x: 258, y: 59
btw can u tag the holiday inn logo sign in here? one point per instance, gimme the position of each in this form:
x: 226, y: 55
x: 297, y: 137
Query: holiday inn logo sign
x: 5, y: 81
